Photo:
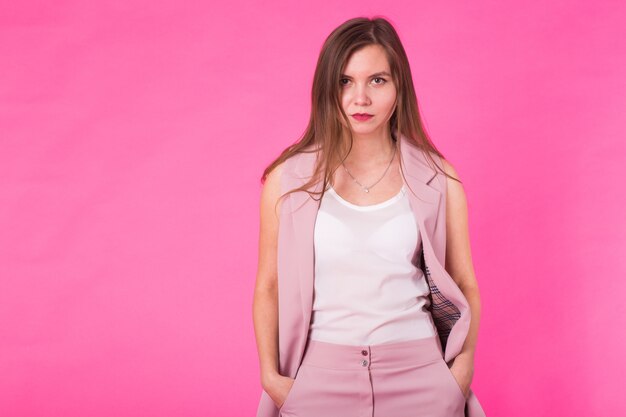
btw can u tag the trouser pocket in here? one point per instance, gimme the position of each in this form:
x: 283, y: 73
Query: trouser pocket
x: 454, y: 386
x: 292, y: 391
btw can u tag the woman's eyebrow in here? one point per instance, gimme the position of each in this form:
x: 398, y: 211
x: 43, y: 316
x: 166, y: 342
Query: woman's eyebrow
x: 377, y: 74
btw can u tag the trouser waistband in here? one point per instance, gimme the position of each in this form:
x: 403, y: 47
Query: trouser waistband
x: 387, y: 355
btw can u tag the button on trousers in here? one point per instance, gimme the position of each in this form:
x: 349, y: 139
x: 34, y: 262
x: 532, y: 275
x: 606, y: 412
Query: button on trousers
x: 401, y: 379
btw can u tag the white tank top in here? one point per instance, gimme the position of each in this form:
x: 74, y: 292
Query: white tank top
x: 366, y: 289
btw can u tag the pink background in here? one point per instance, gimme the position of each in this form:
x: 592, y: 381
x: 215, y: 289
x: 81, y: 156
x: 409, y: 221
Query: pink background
x: 133, y: 135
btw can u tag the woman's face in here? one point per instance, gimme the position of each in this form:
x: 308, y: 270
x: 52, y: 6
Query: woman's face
x: 367, y: 88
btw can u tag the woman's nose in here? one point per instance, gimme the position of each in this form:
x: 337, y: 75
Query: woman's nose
x: 361, y: 96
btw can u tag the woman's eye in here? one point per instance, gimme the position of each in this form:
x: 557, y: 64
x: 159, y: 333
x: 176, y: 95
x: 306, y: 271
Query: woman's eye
x: 382, y: 81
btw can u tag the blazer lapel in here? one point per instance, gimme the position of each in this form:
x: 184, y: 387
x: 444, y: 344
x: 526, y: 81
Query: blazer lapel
x: 424, y: 199
x: 304, y: 211
x: 450, y: 309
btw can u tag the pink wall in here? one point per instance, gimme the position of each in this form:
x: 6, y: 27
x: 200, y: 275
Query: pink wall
x: 132, y: 137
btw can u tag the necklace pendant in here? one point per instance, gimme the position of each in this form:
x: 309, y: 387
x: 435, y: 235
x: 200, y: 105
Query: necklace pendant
x: 367, y: 190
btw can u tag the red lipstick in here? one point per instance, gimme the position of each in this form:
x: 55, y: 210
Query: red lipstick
x: 362, y: 117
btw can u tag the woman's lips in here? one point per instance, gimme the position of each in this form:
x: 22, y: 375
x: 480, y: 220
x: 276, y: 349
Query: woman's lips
x: 362, y: 117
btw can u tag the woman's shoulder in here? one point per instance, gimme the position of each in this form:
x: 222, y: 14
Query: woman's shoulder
x: 290, y: 166
x: 441, y: 168
x: 300, y: 159
x: 440, y: 161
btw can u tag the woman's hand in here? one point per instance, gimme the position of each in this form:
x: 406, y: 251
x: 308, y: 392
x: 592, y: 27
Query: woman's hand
x: 463, y: 371
x: 277, y: 387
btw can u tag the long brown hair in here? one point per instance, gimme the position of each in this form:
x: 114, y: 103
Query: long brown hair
x: 324, y: 132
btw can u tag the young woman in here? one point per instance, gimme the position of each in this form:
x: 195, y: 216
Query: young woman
x: 366, y: 303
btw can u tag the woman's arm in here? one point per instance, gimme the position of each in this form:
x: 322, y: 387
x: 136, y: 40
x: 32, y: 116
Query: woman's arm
x: 459, y: 266
x: 265, y: 304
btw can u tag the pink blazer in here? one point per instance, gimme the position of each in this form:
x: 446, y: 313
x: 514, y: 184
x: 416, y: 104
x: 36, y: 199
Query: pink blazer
x: 427, y: 196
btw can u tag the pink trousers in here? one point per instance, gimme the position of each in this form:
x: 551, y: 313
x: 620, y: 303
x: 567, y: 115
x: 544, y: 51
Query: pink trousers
x: 401, y: 379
